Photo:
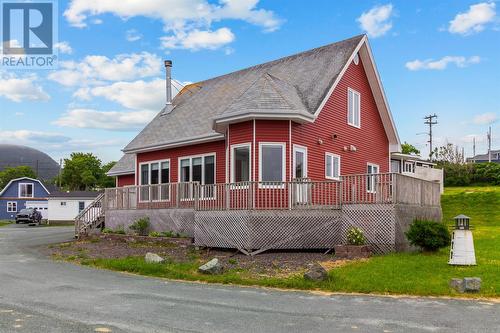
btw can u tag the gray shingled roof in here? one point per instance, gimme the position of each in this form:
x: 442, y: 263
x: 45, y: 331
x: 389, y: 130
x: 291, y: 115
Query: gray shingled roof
x: 294, y: 84
x: 124, y: 166
x: 484, y: 157
x: 74, y: 194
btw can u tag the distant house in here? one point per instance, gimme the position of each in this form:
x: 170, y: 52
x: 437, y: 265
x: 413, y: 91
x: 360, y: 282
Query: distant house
x: 416, y: 166
x: 22, y: 193
x: 481, y: 158
x: 65, y: 206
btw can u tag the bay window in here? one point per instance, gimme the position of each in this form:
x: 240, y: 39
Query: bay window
x: 240, y: 163
x: 272, y: 163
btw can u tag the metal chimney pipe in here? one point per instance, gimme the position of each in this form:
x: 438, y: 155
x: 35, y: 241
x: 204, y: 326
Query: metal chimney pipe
x: 168, y: 72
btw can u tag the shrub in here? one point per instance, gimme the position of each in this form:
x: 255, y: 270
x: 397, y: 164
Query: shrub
x: 428, y: 235
x: 154, y: 234
x: 107, y: 231
x: 141, y: 226
x: 120, y: 230
x: 355, y: 236
x: 167, y: 234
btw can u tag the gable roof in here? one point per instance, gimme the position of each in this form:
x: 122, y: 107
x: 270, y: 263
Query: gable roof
x: 124, y: 166
x: 293, y: 87
x: 23, y: 178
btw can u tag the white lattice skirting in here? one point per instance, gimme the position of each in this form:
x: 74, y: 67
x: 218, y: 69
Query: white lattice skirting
x: 253, y: 232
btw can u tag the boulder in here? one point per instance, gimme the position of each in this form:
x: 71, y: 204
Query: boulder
x: 212, y: 267
x: 153, y: 258
x: 457, y: 284
x: 472, y: 284
x: 316, y: 273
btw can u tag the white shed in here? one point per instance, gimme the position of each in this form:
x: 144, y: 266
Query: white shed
x: 65, y: 206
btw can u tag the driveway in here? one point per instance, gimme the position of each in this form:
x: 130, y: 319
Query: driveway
x: 40, y: 295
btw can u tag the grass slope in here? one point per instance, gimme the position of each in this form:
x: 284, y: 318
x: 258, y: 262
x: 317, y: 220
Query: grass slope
x: 397, y: 273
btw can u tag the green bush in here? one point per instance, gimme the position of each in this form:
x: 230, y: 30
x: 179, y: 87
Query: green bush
x: 107, y: 231
x: 141, y: 226
x: 154, y: 234
x: 120, y: 230
x: 428, y: 235
x: 355, y: 236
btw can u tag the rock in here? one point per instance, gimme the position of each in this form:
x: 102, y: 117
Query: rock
x: 316, y: 273
x: 212, y: 267
x: 472, y: 284
x: 153, y: 258
x: 458, y: 285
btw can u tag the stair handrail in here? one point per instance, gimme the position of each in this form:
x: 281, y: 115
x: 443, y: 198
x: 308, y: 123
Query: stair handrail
x: 89, y: 215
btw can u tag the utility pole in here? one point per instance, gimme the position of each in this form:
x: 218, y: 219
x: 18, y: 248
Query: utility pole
x: 474, y: 149
x: 429, y: 120
x: 489, y: 144
x: 60, y: 172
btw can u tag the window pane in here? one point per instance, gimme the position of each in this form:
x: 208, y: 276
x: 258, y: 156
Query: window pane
x: 299, y: 164
x: 350, y: 107
x: 144, y: 174
x: 209, y: 170
x: 356, y: 109
x: 336, y: 167
x: 165, y: 172
x: 241, y: 164
x: 155, y: 173
x: 196, y: 169
x: 329, y: 166
x: 272, y: 163
x: 185, y: 170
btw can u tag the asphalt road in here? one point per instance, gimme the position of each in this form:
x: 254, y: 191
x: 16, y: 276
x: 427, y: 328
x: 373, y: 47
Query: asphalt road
x: 40, y: 295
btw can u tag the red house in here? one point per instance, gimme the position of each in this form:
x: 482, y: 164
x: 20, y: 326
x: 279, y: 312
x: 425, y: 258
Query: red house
x: 237, y: 141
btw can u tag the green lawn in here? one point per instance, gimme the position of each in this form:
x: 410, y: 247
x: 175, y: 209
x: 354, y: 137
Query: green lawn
x: 398, y: 273
x: 4, y: 222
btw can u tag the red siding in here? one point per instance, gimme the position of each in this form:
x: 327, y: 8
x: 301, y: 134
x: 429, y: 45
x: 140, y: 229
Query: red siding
x: 370, y: 140
x: 217, y: 147
x: 125, y: 180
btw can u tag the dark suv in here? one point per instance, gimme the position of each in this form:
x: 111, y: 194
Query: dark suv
x: 29, y: 215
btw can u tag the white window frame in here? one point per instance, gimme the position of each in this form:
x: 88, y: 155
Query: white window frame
x: 232, y: 156
x: 159, y: 179
x: 191, y: 157
x: 63, y: 203
x: 283, y: 167
x: 412, y: 166
x: 326, y: 170
x: 303, y: 149
x: 374, y: 179
x: 354, y: 92
x: 32, y: 190
x: 11, y: 206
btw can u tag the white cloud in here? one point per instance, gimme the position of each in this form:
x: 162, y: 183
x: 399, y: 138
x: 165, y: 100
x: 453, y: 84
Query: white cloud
x: 63, y: 47
x: 196, y: 39
x: 137, y: 95
x: 133, y: 35
x: 27, y: 136
x: 474, y: 20
x: 19, y: 89
x: 181, y: 18
x: 109, y: 120
x: 376, y: 21
x: 485, y: 118
x: 442, y: 63
x: 94, y: 69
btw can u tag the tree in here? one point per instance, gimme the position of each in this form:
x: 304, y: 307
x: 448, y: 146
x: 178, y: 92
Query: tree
x: 15, y: 172
x: 81, y: 172
x: 407, y: 148
x: 107, y: 181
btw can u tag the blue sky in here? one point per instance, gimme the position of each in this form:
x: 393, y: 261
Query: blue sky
x: 433, y: 57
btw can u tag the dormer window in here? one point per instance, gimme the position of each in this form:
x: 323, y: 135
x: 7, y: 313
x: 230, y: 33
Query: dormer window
x: 353, y: 108
x: 26, y: 190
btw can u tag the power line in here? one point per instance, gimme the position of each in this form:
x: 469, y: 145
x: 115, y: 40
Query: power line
x: 429, y: 120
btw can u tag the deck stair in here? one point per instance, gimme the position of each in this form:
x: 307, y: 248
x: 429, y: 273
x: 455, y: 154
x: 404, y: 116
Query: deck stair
x: 91, y: 218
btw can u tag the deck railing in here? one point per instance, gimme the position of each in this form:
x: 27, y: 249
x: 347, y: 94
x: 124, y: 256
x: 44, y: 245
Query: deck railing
x: 383, y: 188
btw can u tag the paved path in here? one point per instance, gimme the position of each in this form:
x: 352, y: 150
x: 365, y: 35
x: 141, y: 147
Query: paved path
x: 39, y: 295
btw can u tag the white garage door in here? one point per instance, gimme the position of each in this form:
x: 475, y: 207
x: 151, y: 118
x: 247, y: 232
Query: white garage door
x: 41, y: 206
